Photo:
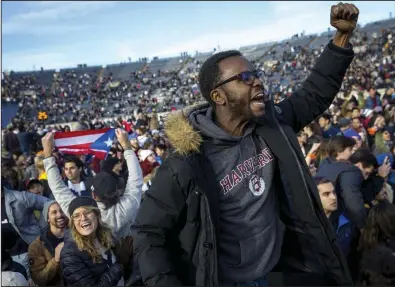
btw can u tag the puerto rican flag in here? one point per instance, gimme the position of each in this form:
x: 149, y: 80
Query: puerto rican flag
x: 95, y: 142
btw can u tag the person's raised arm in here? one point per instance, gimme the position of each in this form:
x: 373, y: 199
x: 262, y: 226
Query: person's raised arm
x: 60, y: 190
x: 128, y: 205
x: 320, y: 88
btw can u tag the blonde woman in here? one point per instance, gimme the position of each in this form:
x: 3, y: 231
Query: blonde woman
x: 90, y: 257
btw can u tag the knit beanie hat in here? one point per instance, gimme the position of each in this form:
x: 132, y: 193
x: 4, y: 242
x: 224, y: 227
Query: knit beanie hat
x: 104, y: 185
x: 109, y: 164
x: 145, y: 153
x: 45, y: 211
x: 81, y: 201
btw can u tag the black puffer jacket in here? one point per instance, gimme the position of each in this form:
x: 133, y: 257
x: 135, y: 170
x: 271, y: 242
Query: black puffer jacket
x: 79, y: 270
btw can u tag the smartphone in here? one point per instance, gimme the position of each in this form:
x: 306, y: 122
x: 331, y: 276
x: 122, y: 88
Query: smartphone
x: 387, y: 160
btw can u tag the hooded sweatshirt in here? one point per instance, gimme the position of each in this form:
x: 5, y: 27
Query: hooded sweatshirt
x: 250, y: 232
x: 45, y: 211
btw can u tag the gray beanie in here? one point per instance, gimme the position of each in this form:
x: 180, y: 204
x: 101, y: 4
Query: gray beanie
x: 46, y: 207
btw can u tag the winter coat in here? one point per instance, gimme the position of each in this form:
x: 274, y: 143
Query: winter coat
x: 177, y: 227
x: 79, y: 269
x: 347, y: 179
x: 148, y: 167
x: 11, y: 142
x: 44, y: 269
x: 19, y: 207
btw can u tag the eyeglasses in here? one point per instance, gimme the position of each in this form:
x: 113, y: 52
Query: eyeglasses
x: 248, y: 78
x: 87, y: 213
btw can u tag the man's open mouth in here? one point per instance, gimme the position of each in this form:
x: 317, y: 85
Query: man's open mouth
x: 258, y: 98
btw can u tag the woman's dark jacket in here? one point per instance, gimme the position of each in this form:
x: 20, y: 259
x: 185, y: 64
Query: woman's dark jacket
x: 176, y: 229
x: 79, y: 270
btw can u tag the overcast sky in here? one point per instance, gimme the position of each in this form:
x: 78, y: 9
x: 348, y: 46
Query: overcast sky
x: 56, y: 34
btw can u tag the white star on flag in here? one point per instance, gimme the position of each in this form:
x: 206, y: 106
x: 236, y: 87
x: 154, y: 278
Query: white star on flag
x: 108, y: 142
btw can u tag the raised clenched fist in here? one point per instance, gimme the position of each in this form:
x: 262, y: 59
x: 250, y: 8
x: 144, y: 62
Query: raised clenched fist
x: 123, y: 139
x: 48, y: 144
x: 344, y: 17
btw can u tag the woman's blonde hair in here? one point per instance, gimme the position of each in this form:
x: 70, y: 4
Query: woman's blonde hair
x: 39, y: 161
x: 87, y: 243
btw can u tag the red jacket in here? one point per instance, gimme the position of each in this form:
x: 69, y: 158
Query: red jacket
x: 147, y: 167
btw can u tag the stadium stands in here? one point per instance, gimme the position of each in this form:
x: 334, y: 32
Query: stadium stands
x: 277, y: 58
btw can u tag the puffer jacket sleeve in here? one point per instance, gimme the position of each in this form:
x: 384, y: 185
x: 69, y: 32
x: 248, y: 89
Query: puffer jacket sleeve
x: 76, y: 273
x: 319, y: 89
x: 157, y: 216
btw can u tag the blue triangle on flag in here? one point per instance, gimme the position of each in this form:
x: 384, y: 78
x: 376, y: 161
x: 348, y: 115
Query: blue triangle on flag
x: 104, y: 143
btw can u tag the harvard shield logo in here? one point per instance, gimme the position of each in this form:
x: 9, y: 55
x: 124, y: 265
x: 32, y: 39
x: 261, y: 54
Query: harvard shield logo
x: 257, y: 185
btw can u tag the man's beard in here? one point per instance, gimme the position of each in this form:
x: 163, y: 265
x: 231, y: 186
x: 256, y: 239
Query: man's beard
x: 238, y: 109
x: 60, y: 225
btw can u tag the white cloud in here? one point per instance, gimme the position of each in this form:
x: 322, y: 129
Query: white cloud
x: 49, y: 17
x: 290, y: 17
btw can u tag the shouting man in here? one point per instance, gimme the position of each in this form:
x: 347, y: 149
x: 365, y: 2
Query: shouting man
x: 237, y: 199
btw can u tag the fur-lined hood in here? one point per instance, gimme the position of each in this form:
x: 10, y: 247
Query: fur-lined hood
x: 183, y: 137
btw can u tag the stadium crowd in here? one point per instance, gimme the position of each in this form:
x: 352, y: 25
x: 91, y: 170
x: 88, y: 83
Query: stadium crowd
x: 66, y: 218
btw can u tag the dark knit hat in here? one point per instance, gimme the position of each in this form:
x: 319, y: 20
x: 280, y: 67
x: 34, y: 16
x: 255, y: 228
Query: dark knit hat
x: 81, y: 201
x: 109, y: 164
x: 104, y: 184
x: 344, y: 122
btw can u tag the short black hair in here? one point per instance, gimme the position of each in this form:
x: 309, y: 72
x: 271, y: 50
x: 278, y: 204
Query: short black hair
x: 33, y: 182
x: 74, y: 159
x: 365, y: 157
x: 338, y: 144
x: 161, y: 147
x: 326, y: 116
x: 210, y: 73
x: 321, y: 180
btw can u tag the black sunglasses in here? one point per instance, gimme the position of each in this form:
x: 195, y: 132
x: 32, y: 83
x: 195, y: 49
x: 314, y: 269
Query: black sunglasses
x: 247, y: 77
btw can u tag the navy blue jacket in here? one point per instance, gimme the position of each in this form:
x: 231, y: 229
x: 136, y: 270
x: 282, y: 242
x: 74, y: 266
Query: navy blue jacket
x: 344, y: 232
x: 347, y: 180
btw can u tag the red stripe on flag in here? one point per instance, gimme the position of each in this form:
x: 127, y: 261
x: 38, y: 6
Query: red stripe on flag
x: 76, y: 152
x: 77, y: 146
x: 62, y: 135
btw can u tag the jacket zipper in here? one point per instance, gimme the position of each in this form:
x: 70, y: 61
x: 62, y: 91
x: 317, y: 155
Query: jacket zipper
x: 212, y: 235
x: 299, y: 168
